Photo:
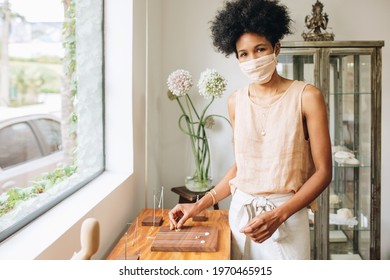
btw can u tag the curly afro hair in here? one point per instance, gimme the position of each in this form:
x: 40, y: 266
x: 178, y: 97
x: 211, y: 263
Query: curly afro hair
x: 268, y: 18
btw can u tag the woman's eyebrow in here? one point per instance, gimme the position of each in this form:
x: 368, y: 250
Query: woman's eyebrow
x: 260, y: 45
x: 256, y: 46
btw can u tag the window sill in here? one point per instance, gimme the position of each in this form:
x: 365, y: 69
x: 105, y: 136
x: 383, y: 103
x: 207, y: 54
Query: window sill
x: 33, y: 240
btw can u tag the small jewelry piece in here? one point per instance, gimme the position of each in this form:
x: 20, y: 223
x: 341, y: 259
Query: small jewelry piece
x: 264, y: 114
x: 264, y: 125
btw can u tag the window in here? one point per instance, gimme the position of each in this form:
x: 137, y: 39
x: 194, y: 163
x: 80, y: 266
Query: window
x: 18, y: 145
x: 51, y: 115
x: 49, y: 131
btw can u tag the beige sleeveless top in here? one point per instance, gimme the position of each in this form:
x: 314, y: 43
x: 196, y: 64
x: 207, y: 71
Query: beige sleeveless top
x: 279, y: 161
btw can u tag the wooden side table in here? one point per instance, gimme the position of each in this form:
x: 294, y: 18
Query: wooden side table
x: 187, y: 196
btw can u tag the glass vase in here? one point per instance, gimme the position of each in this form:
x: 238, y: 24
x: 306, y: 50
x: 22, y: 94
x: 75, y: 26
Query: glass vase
x: 193, y: 184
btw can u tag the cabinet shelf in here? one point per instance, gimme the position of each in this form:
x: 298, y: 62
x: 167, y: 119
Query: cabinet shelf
x: 350, y: 93
x: 344, y: 165
x: 347, y: 228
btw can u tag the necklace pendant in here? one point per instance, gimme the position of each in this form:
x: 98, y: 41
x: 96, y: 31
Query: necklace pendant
x: 263, y: 133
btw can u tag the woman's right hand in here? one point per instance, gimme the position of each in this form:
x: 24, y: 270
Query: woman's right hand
x: 180, y: 214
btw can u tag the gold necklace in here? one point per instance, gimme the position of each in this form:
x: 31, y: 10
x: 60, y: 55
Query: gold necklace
x: 264, y: 115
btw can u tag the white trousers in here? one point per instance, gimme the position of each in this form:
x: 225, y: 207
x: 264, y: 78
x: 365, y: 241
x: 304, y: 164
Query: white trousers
x: 291, y: 241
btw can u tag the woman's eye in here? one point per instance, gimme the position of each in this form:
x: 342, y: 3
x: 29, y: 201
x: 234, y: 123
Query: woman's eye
x: 243, y: 55
x: 259, y: 50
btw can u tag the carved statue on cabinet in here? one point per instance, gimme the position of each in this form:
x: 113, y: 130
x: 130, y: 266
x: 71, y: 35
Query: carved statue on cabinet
x: 316, y: 22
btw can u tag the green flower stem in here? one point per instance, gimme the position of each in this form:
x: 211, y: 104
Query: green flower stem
x: 201, y: 120
x: 206, y: 155
x: 189, y: 105
x: 219, y: 116
x: 194, y: 150
x: 199, y: 154
x: 204, y: 152
x: 192, y: 105
x: 195, y: 129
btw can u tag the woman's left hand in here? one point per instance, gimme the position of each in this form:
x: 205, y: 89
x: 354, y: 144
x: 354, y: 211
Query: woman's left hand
x: 262, y: 226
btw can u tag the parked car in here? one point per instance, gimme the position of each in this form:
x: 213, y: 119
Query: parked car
x: 29, y: 146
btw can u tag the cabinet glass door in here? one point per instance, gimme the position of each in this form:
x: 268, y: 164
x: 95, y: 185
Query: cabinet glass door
x: 301, y: 65
x: 350, y: 127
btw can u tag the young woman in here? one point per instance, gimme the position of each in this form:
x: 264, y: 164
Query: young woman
x: 281, y: 140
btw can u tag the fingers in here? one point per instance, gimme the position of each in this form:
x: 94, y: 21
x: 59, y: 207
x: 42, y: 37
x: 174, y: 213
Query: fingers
x: 250, y: 227
x: 181, y: 221
x: 172, y: 221
x: 176, y: 218
x: 247, y: 229
x: 180, y: 214
x: 173, y: 218
x: 256, y: 234
x: 256, y: 230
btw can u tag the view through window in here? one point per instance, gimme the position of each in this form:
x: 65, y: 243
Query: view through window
x: 51, y: 104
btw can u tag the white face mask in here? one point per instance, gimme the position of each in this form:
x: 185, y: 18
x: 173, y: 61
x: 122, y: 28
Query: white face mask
x: 260, y: 70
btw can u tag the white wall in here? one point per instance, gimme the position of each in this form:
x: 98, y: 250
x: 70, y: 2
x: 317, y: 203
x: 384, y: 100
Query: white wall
x: 179, y: 38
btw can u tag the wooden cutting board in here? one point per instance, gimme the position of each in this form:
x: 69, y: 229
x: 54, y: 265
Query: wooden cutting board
x: 187, y: 239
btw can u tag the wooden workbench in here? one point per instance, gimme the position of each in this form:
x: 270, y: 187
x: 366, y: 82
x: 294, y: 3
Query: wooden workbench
x: 139, y: 241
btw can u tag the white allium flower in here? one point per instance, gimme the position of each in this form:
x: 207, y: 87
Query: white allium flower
x: 179, y: 82
x: 211, y: 83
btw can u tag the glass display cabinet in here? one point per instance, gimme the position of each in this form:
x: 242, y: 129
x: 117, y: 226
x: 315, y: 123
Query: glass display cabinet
x: 347, y: 223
